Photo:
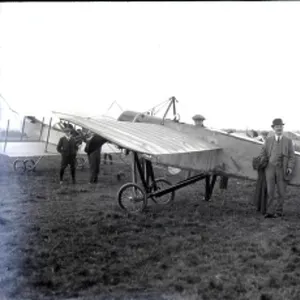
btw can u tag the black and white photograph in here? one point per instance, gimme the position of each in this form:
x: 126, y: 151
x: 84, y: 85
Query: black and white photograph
x: 150, y: 150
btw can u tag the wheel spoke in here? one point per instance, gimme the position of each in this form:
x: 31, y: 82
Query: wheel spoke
x: 161, y: 184
x: 29, y: 164
x: 19, y: 166
x: 132, y: 198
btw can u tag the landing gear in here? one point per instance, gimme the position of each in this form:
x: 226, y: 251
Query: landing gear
x: 161, y: 184
x: 209, y: 186
x: 26, y: 165
x: 19, y: 166
x: 29, y: 164
x: 132, y: 198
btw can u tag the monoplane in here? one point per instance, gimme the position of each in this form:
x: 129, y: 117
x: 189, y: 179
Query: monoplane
x: 168, y: 142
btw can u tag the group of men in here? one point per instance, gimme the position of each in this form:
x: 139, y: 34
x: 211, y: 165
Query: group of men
x: 68, y: 147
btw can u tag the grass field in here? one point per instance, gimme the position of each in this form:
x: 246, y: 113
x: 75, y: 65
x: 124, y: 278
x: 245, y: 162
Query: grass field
x: 74, y: 241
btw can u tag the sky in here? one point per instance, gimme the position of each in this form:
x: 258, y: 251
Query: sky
x: 236, y: 63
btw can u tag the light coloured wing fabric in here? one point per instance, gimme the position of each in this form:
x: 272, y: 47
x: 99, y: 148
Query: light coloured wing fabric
x: 27, y: 149
x: 144, y: 138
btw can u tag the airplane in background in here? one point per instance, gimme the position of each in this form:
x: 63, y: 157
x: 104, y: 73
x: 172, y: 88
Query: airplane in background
x: 38, y: 139
x: 171, y: 143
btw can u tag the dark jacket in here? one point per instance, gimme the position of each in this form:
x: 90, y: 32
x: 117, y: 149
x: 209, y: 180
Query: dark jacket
x: 261, y: 193
x: 260, y: 196
x: 95, y: 143
x: 288, y: 153
x: 65, y: 147
x: 78, y: 138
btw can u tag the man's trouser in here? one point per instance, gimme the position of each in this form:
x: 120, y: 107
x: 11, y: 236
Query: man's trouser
x: 274, y: 176
x: 65, y: 161
x: 94, y: 161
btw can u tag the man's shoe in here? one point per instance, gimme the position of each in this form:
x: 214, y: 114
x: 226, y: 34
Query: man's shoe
x: 269, y: 216
x: 61, y: 182
x: 206, y: 200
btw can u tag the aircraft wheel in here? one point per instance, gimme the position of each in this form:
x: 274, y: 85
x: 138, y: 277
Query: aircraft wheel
x: 161, y: 184
x: 80, y: 162
x: 29, y: 164
x: 19, y: 166
x: 132, y: 198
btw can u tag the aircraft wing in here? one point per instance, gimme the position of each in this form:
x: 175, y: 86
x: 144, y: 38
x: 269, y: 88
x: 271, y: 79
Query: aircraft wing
x: 27, y: 149
x: 162, y: 144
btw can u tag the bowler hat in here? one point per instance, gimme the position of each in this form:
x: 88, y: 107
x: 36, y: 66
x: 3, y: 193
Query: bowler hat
x: 277, y: 122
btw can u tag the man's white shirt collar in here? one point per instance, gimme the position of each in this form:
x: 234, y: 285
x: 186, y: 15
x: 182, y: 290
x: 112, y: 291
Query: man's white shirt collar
x: 278, y: 137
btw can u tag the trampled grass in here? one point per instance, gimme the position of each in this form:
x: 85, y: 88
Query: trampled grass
x: 74, y: 241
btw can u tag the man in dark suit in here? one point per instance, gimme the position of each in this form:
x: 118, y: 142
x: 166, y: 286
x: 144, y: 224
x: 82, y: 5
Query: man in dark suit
x: 279, y: 151
x: 93, y: 149
x: 68, y: 148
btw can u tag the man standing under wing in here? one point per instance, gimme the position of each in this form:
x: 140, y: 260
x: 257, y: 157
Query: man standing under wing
x: 279, y: 151
x: 68, y: 148
x: 93, y: 149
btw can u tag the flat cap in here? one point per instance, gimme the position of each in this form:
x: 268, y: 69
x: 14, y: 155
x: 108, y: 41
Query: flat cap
x: 198, y: 117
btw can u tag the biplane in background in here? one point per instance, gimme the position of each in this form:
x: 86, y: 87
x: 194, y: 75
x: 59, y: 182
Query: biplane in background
x: 168, y: 142
x: 37, y: 140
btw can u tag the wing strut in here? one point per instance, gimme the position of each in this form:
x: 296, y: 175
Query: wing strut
x: 48, y: 135
x: 173, y: 101
x: 42, y: 127
x: 23, y: 128
x: 6, y: 136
